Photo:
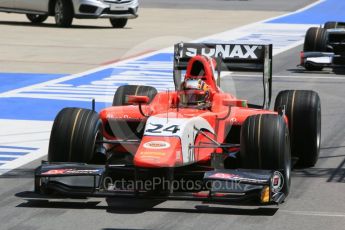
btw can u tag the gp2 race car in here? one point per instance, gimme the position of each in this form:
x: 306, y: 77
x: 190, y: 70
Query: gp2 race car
x: 324, y: 47
x: 195, y: 143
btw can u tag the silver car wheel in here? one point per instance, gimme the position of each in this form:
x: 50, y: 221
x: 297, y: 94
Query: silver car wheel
x: 58, y: 11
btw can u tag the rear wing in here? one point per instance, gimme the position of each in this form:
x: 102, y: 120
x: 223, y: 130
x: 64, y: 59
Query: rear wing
x: 229, y: 57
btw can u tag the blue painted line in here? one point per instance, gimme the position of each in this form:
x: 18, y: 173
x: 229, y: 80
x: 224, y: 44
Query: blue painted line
x: 17, y: 147
x: 7, y: 158
x: 329, y: 10
x: 11, y: 81
x: 26, y: 108
x: 14, y: 153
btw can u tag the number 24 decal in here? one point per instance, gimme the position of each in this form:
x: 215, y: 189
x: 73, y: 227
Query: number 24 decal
x: 159, y: 128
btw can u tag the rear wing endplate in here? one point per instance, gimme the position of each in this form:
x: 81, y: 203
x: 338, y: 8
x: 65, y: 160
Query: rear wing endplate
x: 229, y: 57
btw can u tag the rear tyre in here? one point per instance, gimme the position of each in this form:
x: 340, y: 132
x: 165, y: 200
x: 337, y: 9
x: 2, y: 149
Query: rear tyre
x: 330, y: 25
x: 118, y: 22
x: 36, y: 18
x: 265, y: 144
x: 303, y: 110
x: 139, y: 90
x: 63, y: 13
x: 74, y: 135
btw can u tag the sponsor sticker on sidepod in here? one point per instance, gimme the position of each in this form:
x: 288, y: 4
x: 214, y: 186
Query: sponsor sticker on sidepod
x: 156, y: 145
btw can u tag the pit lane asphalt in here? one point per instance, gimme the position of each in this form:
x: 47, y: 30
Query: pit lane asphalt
x: 316, y: 201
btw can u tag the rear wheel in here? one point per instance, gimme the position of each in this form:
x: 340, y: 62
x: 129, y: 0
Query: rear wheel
x: 265, y: 144
x: 63, y: 13
x: 303, y: 110
x: 36, y: 18
x: 330, y: 25
x: 139, y: 90
x: 74, y: 135
x: 118, y: 22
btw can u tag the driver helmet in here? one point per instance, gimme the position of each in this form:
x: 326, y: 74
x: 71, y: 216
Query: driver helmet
x: 195, y: 92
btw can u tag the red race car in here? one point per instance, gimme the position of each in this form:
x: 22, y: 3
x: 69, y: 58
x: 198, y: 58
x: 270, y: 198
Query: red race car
x: 196, y: 142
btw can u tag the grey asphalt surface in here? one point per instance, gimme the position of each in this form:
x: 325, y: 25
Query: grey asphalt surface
x: 316, y: 201
x: 266, y: 5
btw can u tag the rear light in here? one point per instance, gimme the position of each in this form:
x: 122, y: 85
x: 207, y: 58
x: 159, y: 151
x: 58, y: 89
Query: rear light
x: 302, y: 58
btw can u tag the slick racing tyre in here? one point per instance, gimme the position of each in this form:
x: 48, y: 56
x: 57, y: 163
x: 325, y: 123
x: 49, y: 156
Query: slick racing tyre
x: 265, y: 144
x: 315, y: 40
x: 330, y: 25
x: 63, y: 11
x: 74, y: 135
x: 139, y: 90
x: 303, y: 110
x: 36, y: 18
x: 118, y: 22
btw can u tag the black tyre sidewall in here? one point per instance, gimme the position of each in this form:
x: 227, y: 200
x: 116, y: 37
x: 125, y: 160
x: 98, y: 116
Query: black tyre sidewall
x: 73, y: 136
x: 330, y: 25
x: 315, y: 40
x: 265, y: 145
x: 36, y: 19
x: 67, y: 13
x: 303, y: 109
x: 118, y: 22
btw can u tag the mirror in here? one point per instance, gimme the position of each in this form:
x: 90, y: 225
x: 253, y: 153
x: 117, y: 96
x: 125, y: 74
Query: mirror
x: 134, y: 99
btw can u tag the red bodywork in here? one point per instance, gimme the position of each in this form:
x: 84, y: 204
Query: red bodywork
x: 167, y: 150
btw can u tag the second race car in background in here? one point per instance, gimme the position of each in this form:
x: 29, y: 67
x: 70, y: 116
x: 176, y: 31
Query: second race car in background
x: 324, y: 47
x: 37, y: 11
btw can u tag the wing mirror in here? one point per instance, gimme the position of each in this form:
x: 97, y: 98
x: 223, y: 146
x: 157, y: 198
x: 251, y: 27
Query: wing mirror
x: 237, y: 103
x: 134, y: 99
x: 138, y: 100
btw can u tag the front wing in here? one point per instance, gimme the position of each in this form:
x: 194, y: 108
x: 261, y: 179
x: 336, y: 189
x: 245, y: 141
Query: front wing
x: 230, y: 185
x: 321, y: 59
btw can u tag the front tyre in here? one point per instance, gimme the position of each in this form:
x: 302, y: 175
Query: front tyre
x: 36, y: 18
x: 63, y: 13
x: 74, y: 135
x: 330, y: 25
x: 118, y: 22
x: 265, y: 144
x: 303, y: 110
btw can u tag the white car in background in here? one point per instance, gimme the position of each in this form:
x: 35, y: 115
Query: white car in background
x: 37, y: 11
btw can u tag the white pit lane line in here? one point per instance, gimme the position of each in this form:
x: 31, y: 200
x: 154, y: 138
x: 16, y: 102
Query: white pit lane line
x: 22, y: 141
x: 283, y: 36
x: 314, y: 214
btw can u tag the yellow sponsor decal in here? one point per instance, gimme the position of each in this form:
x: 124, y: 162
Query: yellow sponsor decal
x: 152, y: 154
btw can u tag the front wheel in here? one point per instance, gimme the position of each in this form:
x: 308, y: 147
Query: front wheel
x: 330, y: 25
x: 74, y: 136
x: 118, y: 22
x: 265, y: 144
x: 63, y: 13
x: 36, y: 18
x: 315, y: 40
